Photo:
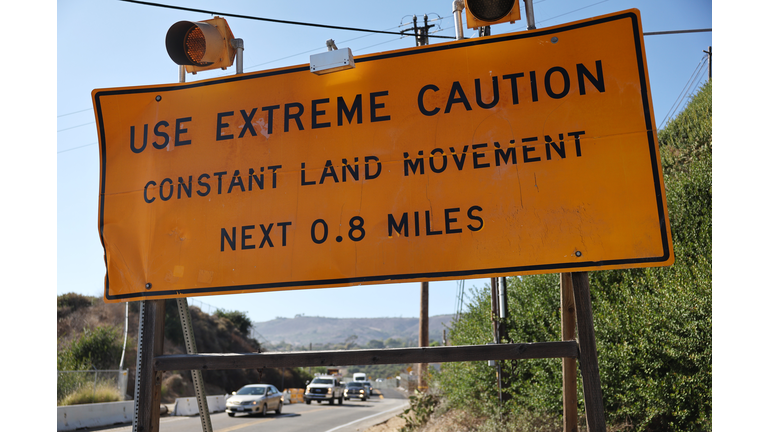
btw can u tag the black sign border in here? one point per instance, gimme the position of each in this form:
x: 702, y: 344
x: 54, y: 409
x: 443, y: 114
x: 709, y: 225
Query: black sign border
x: 632, y: 15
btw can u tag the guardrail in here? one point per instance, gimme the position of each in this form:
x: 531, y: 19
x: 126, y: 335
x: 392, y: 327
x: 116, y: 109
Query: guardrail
x: 188, y: 406
x: 71, y: 417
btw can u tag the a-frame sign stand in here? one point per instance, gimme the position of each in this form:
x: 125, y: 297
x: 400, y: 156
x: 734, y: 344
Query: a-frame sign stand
x: 151, y: 363
x: 610, y: 101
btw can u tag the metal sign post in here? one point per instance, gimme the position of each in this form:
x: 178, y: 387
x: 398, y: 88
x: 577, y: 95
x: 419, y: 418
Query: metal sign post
x: 590, y: 374
x: 568, y: 331
x: 529, y: 15
x: 197, y: 374
x: 146, y: 399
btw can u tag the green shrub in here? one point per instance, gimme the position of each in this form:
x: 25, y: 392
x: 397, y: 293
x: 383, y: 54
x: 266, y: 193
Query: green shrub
x: 653, y: 326
x: 421, y: 407
x: 99, y: 348
x: 238, y: 318
x: 92, y: 349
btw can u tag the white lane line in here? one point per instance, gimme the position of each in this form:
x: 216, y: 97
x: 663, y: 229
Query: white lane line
x: 366, y: 418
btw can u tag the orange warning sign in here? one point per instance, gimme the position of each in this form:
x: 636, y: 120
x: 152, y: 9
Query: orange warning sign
x: 521, y: 153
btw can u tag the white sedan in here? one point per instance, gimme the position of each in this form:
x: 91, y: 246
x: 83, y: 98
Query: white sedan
x: 255, y: 399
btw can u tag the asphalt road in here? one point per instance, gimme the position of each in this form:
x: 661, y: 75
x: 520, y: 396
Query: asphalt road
x: 352, y: 416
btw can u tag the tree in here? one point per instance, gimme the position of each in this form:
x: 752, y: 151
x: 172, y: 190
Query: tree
x: 239, y: 319
x: 98, y: 348
x: 350, y: 342
x: 375, y: 344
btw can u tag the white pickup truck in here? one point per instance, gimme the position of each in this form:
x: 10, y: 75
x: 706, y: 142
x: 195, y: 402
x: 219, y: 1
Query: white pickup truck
x: 324, y: 388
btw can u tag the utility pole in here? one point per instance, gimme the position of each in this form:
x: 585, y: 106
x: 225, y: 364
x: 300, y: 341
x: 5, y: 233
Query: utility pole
x: 495, y: 309
x: 504, y: 378
x: 421, y: 33
x: 495, y: 324
x: 424, y: 333
x: 498, y: 316
x: 709, y: 61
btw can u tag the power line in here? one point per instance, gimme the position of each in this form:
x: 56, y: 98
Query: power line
x: 72, y: 127
x: 686, y: 89
x: 269, y: 19
x: 74, y: 112
x: 694, y: 79
x: 75, y: 148
x: 313, y: 50
x: 644, y: 34
x: 354, y: 29
x: 323, y: 48
x: 676, y: 32
x: 575, y: 10
x: 459, y: 299
x: 668, y: 32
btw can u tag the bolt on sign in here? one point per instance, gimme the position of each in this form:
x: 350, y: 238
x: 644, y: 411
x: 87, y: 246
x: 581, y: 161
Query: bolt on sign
x: 522, y: 153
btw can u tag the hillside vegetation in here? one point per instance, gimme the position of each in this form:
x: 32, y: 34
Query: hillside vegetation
x: 653, y: 326
x: 90, y: 336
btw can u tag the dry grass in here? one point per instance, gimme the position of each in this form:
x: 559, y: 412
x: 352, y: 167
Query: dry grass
x: 462, y: 421
x: 392, y: 425
x: 452, y: 421
x: 87, y: 394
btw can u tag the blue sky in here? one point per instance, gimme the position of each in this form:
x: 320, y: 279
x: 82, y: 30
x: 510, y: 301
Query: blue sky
x: 103, y: 44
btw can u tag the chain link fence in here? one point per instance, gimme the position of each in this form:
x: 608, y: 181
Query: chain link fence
x: 204, y: 307
x: 88, y: 386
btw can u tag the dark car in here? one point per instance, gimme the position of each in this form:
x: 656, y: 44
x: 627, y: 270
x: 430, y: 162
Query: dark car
x: 356, y: 389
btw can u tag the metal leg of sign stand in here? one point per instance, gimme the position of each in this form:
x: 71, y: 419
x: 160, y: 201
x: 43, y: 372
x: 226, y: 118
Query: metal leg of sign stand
x: 146, y: 411
x: 568, y: 331
x: 197, y: 374
x: 590, y: 375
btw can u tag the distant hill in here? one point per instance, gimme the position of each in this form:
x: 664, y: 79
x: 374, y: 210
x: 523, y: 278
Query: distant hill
x: 302, y: 330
